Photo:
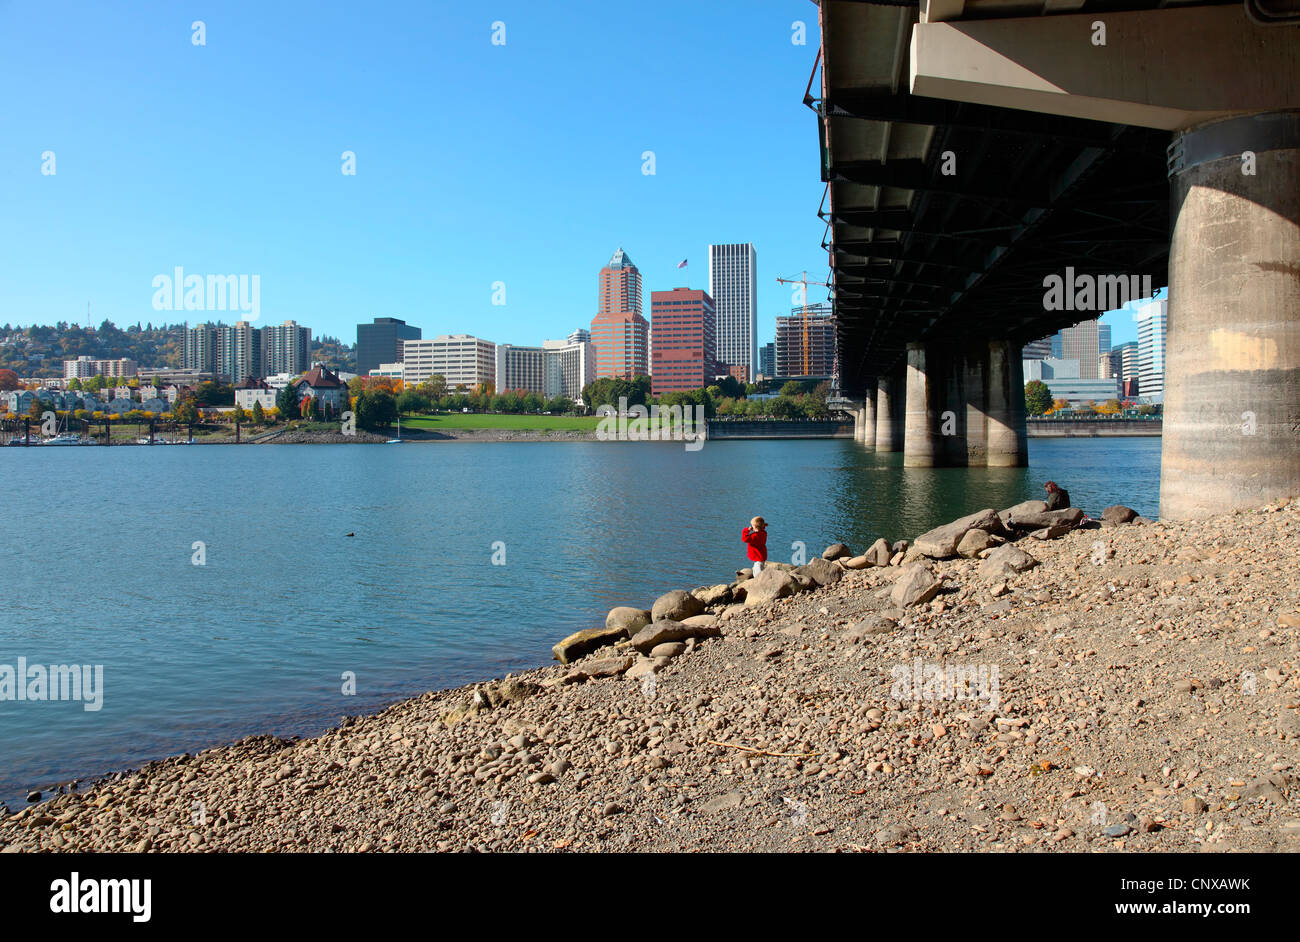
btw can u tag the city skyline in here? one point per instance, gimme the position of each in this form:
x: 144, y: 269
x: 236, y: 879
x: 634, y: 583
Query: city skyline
x: 251, y: 180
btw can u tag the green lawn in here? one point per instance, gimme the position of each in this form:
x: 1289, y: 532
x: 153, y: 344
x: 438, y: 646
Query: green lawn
x: 459, y: 420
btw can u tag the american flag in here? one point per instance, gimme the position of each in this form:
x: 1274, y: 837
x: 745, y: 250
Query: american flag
x: 682, y: 263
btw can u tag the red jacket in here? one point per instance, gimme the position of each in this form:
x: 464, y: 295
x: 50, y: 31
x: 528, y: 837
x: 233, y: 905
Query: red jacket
x: 757, y: 542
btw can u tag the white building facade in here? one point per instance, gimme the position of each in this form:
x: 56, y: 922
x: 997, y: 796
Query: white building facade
x: 733, y: 285
x: 460, y: 359
x: 1152, y: 324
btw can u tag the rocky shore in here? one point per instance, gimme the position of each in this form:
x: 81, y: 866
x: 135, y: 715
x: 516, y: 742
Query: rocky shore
x: 1016, y: 680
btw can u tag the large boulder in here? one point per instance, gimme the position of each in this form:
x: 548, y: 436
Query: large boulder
x: 666, y: 631
x: 916, y: 585
x: 581, y: 643
x: 511, y: 690
x: 712, y: 595
x: 836, y: 551
x: 676, y: 605
x: 880, y: 552
x: 607, y: 666
x: 822, y: 572
x: 628, y: 618
x: 1070, y: 517
x: 700, y: 621
x: 1004, y: 562
x: 1053, y: 532
x: 1024, y: 508
x: 941, y: 542
x: 973, y: 543
x: 1117, y: 513
x: 768, y: 586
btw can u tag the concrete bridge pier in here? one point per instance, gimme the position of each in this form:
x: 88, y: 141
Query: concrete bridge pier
x: 921, y: 447
x: 952, y: 418
x: 889, y: 427
x: 1232, y: 371
x: 864, y: 421
x: 974, y: 373
x: 1008, y: 444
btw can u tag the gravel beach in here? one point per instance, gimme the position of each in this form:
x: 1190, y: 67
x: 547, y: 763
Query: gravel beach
x: 1135, y: 690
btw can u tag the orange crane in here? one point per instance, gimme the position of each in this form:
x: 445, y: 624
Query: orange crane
x: 805, y: 282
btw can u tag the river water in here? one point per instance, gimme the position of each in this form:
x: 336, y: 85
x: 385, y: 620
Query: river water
x: 221, y: 593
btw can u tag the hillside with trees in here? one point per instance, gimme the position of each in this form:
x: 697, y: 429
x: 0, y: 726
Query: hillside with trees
x: 41, y: 350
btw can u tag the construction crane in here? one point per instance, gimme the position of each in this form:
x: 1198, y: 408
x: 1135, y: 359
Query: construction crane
x: 805, y: 282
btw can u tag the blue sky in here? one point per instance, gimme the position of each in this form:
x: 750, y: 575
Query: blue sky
x: 475, y: 163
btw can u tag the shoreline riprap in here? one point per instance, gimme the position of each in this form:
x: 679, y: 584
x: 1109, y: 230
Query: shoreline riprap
x: 1146, y: 700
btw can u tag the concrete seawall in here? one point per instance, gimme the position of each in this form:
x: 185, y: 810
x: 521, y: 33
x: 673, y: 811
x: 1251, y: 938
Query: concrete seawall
x: 778, y: 429
x: 1094, y: 428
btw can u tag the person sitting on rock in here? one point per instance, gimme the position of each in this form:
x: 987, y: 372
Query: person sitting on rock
x: 1058, y: 498
x: 755, y: 537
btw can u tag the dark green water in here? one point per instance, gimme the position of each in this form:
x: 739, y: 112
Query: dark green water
x: 98, y: 565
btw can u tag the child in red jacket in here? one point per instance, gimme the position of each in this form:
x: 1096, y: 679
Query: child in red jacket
x: 755, y: 537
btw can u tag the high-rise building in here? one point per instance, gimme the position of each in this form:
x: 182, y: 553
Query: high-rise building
x: 461, y: 360
x: 201, y: 348
x: 1152, y: 325
x: 733, y: 285
x: 381, y: 342
x: 580, y: 335
x: 619, y: 333
x: 1120, y: 362
x: 1103, y: 337
x: 239, y: 351
x: 1124, y: 359
x: 286, y: 348
x: 570, y: 366
x: 805, y: 347
x: 521, y: 368
x: 556, y: 368
x: 683, y: 322
x: 767, y: 360
x: 1082, y: 342
x: 1038, y: 350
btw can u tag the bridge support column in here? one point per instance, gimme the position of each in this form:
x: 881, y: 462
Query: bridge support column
x: 974, y: 380
x: 1008, y: 446
x: 921, y: 448
x: 889, y: 430
x: 952, y: 416
x: 864, y: 420
x: 1232, y: 369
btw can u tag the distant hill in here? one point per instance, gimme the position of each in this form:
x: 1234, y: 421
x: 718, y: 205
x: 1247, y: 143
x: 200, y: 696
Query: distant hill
x: 40, y: 351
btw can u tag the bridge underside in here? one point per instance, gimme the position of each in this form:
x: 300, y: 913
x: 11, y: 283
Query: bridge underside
x: 973, y: 149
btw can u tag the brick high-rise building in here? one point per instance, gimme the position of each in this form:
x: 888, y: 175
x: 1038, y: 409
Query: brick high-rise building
x: 619, y: 334
x: 684, y: 324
